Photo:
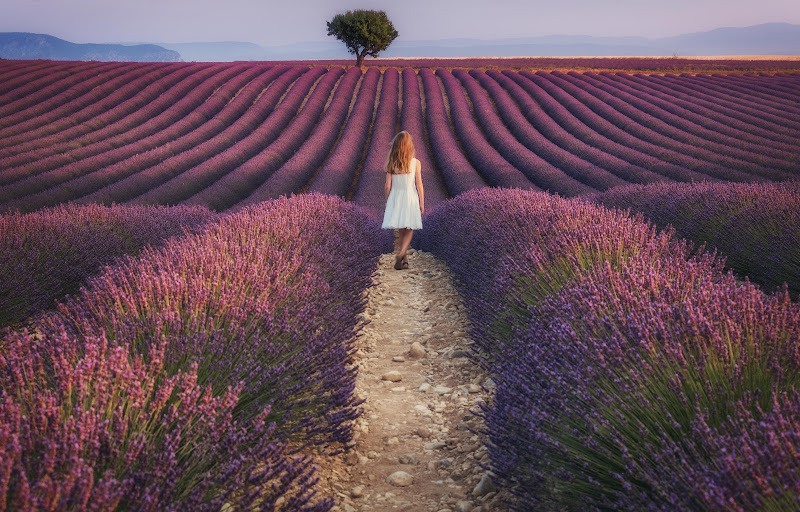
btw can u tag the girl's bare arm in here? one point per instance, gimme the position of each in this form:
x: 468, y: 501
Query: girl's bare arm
x: 388, y: 186
x: 420, y: 189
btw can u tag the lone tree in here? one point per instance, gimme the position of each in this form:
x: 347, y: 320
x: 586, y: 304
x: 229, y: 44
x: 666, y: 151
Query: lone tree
x: 364, y: 32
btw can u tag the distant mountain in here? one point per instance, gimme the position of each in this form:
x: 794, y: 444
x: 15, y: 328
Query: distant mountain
x: 216, y: 52
x: 549, y: 46
x: 765, y: 39
x: 24, y: 45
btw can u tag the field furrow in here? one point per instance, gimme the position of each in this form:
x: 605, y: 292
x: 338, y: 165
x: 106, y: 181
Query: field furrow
x: 228, y: 135
x: 411, y: 120
x: 735, y: 120
x: 562, y: 173
x: 727, y: 140
x: 108, y: 124
x: 81, y: 115
x: 599, y: 312
x: 236, y: 120
x: 295, y: 155
x: 650, y: 128
x: 339, y: 171
x: 457, y: 173
x: 369, y: 183
x: 172, y: 112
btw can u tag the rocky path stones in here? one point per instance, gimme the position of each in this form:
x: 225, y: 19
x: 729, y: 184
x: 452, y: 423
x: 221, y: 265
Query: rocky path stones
x: 416, y: 447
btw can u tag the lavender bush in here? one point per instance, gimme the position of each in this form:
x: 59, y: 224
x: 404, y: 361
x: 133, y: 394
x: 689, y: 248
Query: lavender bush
x: 85, y: 425
x: 756, y: 227
x: 632, y: 372
x: 251, y: 293
x: 48, y: 254
x: 181, y: 376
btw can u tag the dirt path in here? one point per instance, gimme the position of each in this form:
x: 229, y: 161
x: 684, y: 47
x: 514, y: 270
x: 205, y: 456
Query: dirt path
x: 414, y: 447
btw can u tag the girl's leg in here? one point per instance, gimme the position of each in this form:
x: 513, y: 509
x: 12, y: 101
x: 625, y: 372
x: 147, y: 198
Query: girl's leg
x: 398, y: 244
x: 405, y: 241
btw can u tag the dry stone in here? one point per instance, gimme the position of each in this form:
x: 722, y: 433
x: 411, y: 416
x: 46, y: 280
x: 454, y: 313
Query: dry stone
x: 408, y: 458
x: 485, y: 486
x: 417, y: 351
x: 392, y: 376
x: 400, y: 479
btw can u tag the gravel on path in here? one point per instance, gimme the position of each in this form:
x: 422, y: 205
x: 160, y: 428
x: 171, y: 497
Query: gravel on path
x: 417, y: 443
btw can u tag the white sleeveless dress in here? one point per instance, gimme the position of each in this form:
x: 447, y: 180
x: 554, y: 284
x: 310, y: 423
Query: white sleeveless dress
x: 402, y: 206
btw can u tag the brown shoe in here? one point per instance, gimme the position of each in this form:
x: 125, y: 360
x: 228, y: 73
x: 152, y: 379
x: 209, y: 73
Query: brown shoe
x: 398, y: 263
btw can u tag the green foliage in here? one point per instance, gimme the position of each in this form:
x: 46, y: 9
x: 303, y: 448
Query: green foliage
x: 364, y: 32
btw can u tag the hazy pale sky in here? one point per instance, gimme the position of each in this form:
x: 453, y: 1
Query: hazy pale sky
x: 269, y: 22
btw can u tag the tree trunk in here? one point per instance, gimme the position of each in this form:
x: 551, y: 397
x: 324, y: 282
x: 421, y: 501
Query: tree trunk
x: 360, y: 60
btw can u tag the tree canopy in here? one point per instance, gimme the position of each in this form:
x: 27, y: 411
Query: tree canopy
x: 364, y: 32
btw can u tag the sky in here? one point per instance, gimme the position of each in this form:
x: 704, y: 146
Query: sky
x: 270, y: 22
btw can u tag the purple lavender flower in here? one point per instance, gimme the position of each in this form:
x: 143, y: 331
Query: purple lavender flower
x: 632, y: 372
x: 178, y: 379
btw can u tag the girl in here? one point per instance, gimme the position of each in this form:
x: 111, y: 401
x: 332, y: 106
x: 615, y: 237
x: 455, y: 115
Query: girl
x: 405, y: 197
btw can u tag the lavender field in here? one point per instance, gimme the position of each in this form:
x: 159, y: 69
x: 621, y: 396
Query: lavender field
x: 227, y: 135
x: 755, y: 227
x: 632, y: 373
x: 185, y: 250
x: 194, y: 375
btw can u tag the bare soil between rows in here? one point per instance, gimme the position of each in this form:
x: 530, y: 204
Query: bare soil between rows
x: 424, y: 424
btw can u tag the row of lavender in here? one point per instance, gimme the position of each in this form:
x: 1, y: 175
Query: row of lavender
x: 49, y: 254
x: 194, y: 376
x: 632, y: 372
x: 755, y: 227
x: 228, y: 135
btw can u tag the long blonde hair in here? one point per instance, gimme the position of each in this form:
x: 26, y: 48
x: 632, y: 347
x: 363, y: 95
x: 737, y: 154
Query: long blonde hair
x: 399, y: 161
